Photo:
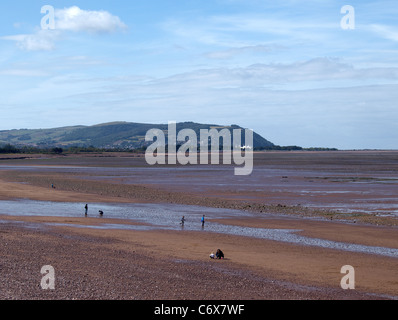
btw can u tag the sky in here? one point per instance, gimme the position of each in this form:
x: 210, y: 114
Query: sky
x: 303, y: 73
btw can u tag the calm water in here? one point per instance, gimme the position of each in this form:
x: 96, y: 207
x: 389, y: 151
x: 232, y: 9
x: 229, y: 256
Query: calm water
x: 168, y: 216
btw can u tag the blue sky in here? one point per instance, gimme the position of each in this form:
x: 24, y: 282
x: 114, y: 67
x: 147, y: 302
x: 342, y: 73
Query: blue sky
x: 286, y: 69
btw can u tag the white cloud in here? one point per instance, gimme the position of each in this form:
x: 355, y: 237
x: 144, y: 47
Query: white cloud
x: 23, y: 72
x: 42, y: 40
x: 230, y: 53
x: 78, y: 20
x: 311, y: 74
x: 233, y: 30
x: 71, y: 19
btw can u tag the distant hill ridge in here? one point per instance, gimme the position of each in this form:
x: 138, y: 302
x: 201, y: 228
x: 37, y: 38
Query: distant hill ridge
x: 107, y: 135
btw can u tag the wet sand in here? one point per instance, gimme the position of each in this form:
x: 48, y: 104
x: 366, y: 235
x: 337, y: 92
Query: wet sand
x: 160, y: 264
x: 358, y: 185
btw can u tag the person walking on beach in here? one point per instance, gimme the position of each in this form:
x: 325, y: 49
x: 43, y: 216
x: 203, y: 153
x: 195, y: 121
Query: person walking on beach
x: 86, y: 209
x: 182, y: 220
x: 203, y: 221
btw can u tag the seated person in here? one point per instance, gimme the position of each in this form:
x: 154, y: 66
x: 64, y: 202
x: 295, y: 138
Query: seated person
x: 219, y: 254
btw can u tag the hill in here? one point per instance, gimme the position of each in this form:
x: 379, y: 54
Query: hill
x: 108, y: 135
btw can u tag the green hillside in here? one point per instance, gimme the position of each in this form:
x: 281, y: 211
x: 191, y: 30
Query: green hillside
x: 109, y: 135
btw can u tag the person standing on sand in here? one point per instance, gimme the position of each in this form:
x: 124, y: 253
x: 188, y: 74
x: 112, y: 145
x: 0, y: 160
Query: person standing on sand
x: 86, y: 209
x: 182, y: 220
x: 203, y: 221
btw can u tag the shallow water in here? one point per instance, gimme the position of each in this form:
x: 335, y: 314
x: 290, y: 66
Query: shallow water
x: 168, y: 216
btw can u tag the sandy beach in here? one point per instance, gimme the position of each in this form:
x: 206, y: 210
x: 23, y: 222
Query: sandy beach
x: 95, y: 262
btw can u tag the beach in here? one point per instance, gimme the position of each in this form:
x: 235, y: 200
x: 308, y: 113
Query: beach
x: 286, y: 231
